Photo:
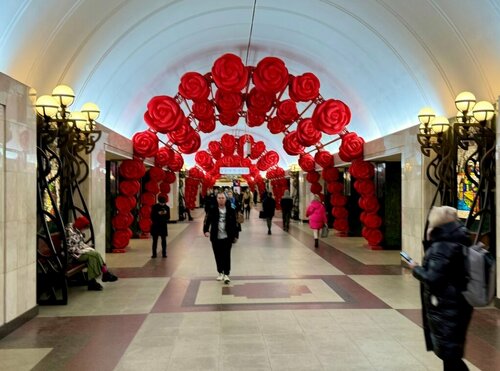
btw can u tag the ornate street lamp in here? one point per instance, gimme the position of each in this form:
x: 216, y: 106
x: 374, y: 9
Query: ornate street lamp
x: 472, y: 133
x: 63, y: 137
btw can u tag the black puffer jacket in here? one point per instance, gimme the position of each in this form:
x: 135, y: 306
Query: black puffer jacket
x: 446, y: 314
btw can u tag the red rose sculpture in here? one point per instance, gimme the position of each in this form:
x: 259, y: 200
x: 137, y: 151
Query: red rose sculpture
x: 192, y: 144
x: 313, y: 177
x: 341, y: 225
x: 229, y: 118
x: 257, y: 149
x: 129, y: 187
x: 364, y: 187
x: 324, y: 158
x: 156, y: 174
x: 307, y: 135
x: 228, y: 101
x: 121, y: 239
x: 275, y: 125
x: 287, y: 111
x: 330, y: 174
x: 148, y: 199
x: 163, y: 156
x: 229, y: 73
x: 304, y: 88
x: 331, y: 116
x: 203, y: 158
x: 145, y: 225
x: 145, y: 144
x: 152, y: 187
x: 316, y: 188
x: 351, y: 147
x: 362, y: 169
x: 270, y: 75
x: 340, y: 212
x: 164, y: 114
x: 335, y: 187
x: 207, y: 126
x: 306, y: 162
x: 228, y: 144
x: 125, y: 203
x: 372, y: 220
x: 259, y: 101
x: 291, y: 144
x: 203, y: 110
x: 215, y: 149
x: 176, y: 162
x: 194, y: 86
x: 169, y: 177
x: 122, y: 220
x: 132, y: 169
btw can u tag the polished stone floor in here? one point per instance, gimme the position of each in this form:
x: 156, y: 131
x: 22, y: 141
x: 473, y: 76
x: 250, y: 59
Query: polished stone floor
x: 289, y: 306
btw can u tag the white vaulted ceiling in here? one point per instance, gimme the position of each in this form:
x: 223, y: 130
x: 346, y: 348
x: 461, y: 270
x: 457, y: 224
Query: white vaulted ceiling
x: 386, y: 59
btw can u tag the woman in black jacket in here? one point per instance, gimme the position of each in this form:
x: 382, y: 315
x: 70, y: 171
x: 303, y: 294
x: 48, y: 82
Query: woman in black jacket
x: 220, y: 225
x: 446, y: 314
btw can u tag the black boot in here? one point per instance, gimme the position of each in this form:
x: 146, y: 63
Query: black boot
x: 109, y: 277
x: 93, y: 285
x: 316, y: 242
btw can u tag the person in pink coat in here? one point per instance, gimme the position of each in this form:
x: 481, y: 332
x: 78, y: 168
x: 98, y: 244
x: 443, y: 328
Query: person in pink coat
x: 316, y: 213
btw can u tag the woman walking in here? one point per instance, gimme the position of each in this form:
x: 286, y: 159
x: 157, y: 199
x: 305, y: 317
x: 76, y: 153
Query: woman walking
x: 317, y: 217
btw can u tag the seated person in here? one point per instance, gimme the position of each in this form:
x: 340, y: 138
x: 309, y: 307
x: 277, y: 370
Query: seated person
x: 82, y: 252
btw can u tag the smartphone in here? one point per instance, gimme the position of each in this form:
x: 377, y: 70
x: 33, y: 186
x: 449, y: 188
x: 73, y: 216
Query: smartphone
x: 406, y: 257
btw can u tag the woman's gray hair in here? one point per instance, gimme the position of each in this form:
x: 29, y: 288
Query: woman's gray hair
x: 440, y: 215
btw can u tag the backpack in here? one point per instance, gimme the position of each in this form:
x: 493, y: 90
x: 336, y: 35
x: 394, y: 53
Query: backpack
x: 481, y: 275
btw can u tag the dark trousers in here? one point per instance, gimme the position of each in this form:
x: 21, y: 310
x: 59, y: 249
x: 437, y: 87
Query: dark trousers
x: 286, y: 220
x: 454, y: 364
x: 222, y: 253
x: 163, y: 244
x: 269, y: 221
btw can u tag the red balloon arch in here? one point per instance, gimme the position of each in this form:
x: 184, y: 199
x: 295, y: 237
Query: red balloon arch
x: 264, y: 94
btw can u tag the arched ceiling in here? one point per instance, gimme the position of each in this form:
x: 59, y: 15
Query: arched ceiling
x: 386, y: 59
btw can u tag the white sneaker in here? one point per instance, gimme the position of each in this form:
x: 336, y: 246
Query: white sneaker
x: 226, y: 279
x: 220, y: 277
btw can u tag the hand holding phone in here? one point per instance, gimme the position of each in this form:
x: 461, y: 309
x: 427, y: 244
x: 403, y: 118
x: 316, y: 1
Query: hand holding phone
x: 406, y: 257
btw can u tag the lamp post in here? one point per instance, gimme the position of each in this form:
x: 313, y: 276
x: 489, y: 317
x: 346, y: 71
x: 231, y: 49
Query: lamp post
x: 62, y: 137
x: 471, y: 134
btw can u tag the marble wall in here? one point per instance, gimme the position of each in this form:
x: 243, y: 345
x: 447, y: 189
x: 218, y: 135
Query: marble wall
x: 17, y: 201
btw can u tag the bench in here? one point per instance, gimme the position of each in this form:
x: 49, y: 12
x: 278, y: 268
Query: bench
x: 55, y: 268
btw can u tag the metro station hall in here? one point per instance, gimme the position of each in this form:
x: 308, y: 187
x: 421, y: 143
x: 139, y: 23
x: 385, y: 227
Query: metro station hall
x: 249, y: 185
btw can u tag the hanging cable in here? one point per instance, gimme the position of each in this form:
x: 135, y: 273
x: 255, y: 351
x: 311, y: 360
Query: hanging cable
x: 251, y: 32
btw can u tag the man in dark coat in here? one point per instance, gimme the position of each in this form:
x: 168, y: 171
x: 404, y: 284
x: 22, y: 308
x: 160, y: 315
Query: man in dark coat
x: 269, y: 206
x: 286, y: 204
x: 160, y: 215
x: 446, y: 314
x: 220, y: 225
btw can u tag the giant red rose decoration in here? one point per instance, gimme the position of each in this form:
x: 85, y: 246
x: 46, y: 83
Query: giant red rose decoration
x: 132, y: 169
x: 163, y: 156
x: 124, y: 203
x: 203, y: 158
x: 228, y: 144
x: 164, y: 114
x: 364, y: 187
x: 306, y: 162
x: 148, y: 199
x: 156, y: 174
x: 341, y: 225
x: 121, y: 239
x: 316, y: 188
x: 272, y: 158
x: 152, y: 187
x: 291, y: 144
x: 145, y: 225
x: 287, y: 111
x: 129, y: 187
x: 145, y: 144
x: 215, y: 149
x: 203, y: 110
x: 270, y: 75
x: 275, y: 125
x: 307, y: 135
x: 257, y: 149
x: 229, y: 118
x: 228, y: 101
x: 351, y: 147
x: 169, y: 177
x: 176, y: 162
x: 313, y: 177
x: 304, y: 87
x: 181, y: 134
x: 194, y: 86
x: 323, y: 158
x: 335, y: 187
x: 259, y: 101
x: 362, y: 169
x: 331, y: 116
x: 207, y: 126
x: 229, y: 73
x: 340, y: 212
x: 192, y: 144
x: 330, y: 174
